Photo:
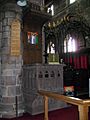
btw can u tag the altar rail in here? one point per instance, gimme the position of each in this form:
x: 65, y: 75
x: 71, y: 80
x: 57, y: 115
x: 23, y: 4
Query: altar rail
x: 82, y: 104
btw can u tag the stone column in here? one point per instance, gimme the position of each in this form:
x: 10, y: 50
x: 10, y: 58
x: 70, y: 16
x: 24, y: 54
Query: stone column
x: 10, y: 66
x: 43, y: 45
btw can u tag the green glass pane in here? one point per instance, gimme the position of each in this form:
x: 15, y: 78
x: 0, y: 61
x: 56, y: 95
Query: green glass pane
x: 36, y: 39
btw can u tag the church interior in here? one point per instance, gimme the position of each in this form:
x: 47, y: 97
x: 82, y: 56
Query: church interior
x: 44, y: 58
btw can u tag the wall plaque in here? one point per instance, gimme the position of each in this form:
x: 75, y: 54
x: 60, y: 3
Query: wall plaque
x: 15, y: 38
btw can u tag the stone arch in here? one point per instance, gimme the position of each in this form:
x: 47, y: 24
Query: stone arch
x: 72, y: 24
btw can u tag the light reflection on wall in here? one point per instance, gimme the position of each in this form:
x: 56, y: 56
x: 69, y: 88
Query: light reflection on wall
x: 72, y: 1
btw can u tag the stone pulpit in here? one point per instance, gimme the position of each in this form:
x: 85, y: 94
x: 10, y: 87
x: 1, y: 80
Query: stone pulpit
x: 41, y: 77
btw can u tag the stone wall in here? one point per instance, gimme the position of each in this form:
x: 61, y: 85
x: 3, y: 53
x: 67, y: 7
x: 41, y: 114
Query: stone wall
x: 42, y: 77
x: 10, y: 66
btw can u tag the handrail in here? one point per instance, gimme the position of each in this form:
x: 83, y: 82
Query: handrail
x: 82, y: 104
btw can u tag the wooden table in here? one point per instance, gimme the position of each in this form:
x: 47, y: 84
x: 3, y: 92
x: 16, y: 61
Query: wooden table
x: 82, y: 104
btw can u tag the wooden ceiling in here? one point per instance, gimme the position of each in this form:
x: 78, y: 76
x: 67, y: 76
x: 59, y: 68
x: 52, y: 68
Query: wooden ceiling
x: 2, y: 2
x: 48, y: 1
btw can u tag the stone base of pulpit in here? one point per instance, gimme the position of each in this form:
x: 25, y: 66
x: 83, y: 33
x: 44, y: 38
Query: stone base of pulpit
x: 42, y: 77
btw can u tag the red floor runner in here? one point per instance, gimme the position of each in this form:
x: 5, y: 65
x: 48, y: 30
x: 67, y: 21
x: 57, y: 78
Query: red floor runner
x: 70, y: 113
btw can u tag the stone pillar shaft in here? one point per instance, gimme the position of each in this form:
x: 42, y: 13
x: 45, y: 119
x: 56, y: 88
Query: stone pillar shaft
x: 11, y: 66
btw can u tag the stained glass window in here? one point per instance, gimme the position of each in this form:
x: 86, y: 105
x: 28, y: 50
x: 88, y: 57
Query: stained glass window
x: 69, y: 44
x: 33, y: 37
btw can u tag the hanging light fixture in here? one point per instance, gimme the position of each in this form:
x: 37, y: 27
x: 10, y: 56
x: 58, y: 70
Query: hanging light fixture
x: 22, y: 3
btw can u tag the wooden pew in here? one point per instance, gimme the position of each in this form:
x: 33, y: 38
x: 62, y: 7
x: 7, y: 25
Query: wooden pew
x: 82, y: 104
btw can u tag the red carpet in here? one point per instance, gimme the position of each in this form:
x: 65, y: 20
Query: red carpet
x: 70, y: 113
